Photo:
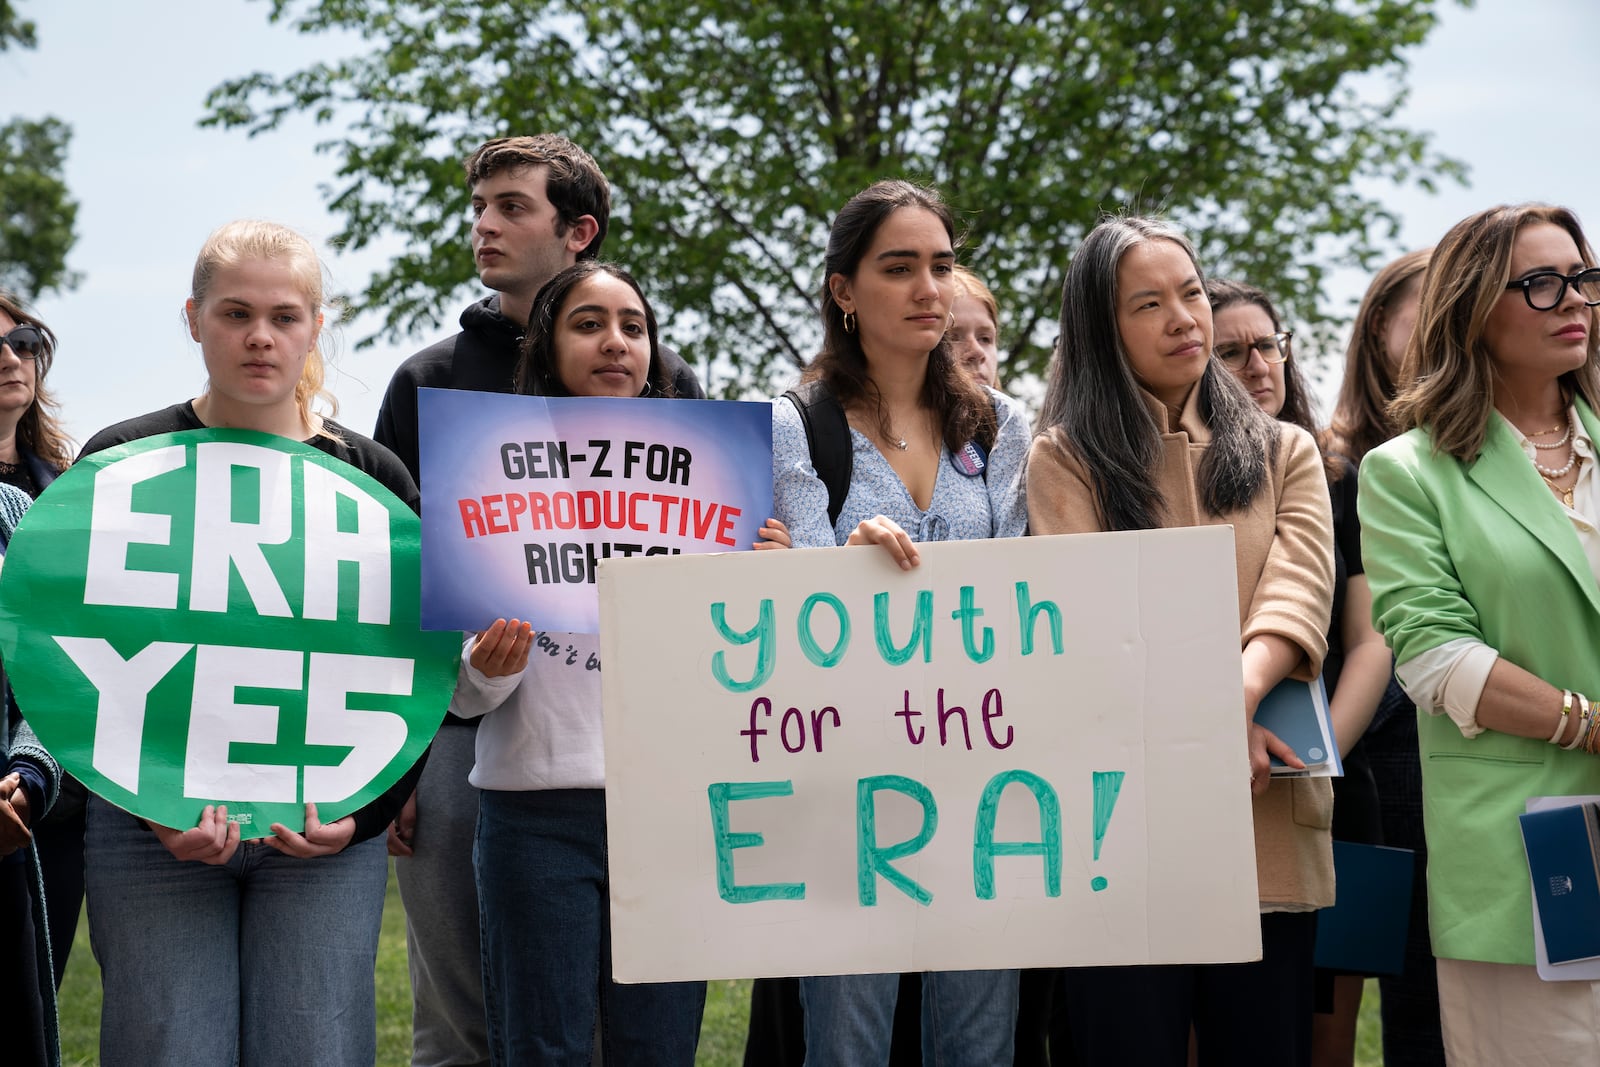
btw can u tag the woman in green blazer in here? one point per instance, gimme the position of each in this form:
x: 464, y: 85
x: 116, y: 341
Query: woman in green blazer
x: 1481, y: 547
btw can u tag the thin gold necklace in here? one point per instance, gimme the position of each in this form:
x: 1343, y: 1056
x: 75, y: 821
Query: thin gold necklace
x: 1564, y: 494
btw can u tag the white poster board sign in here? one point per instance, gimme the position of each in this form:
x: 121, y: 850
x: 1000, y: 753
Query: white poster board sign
x: 1021, y: 753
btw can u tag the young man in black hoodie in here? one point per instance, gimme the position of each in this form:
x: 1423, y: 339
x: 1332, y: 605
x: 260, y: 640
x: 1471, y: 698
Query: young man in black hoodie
x: 540, y: 204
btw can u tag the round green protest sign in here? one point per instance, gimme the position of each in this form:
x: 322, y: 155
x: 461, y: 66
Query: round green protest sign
x: 222, y: 616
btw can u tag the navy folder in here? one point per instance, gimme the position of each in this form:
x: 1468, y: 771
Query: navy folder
x: 1563, y: 846
x: 1365, y: 930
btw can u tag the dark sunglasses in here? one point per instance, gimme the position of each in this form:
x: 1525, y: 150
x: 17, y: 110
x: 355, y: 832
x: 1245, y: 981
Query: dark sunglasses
x: 26, y: 341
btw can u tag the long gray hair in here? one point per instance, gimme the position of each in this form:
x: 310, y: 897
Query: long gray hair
x: 1095, y: 399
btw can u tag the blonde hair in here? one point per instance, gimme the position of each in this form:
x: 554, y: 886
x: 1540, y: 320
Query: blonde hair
x: 248, y: 239
x: 969, y: 284
x: 1448, y: 369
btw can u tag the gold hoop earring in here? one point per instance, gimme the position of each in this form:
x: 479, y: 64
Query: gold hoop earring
x: 849, y: 322
x: 950, y: 322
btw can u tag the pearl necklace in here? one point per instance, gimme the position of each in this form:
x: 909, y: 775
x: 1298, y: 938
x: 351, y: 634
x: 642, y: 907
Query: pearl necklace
x: 1572, y: 459
x: 1563, y: 439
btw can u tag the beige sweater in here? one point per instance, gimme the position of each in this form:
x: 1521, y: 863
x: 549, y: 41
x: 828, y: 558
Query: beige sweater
x: 1283, y: 545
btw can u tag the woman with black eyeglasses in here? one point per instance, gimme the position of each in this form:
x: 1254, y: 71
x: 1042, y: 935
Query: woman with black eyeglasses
x: 1482, y: 550
x: 1251, y: 342
x: 33, y: 450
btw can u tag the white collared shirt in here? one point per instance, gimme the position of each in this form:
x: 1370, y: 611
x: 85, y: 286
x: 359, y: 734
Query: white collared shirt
x: 1449, y: 679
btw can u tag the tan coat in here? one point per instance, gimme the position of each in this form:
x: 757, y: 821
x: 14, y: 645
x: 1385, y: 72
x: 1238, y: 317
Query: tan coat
x: 1284, y: 550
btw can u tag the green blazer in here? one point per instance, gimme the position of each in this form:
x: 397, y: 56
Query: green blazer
x: 1481, y: 550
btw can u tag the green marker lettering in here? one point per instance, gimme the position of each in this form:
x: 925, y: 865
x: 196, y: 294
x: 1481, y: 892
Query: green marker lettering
x: 808, y: 643
x: 967, y: 614
x: 766, y: 650
x: 725, y: 841
x: 985, y: 848
x: 871, y: 860
x: 921, y: 629
x: 1028, y: 611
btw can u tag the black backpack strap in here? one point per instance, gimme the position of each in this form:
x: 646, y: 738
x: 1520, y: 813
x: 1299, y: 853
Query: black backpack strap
x: 828, y: 437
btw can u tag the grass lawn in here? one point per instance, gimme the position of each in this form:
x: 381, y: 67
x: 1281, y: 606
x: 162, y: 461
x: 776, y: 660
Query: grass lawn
x: 721, y: 1035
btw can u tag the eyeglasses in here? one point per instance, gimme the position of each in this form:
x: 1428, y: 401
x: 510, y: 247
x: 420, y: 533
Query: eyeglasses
x: 1544, y: 289
x: 26, y: 341
x: 1272, y: 349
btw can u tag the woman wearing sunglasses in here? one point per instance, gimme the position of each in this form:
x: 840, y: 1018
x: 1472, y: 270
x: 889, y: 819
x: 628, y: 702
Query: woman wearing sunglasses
x: 1479, y: 529
x: 32, y: 447
x: 33, y: 450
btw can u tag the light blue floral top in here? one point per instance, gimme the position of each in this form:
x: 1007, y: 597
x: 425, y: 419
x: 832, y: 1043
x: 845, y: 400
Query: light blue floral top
x: 962, y: 507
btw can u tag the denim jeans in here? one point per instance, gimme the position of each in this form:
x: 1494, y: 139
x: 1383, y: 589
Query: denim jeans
x: 546, y: 932
x: 441, y: 901
x: 969, y: 1018
x: 261, y: 961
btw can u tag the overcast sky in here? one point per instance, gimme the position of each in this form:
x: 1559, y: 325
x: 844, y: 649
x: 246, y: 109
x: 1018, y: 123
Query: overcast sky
x: 1500, y: 85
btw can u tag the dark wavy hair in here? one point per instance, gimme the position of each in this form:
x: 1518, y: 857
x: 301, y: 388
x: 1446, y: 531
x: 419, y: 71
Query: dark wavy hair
x: 1297, y: 407
x: 1099, y: 406
x: 961, y: 407
x: 537, y: 372
x: 573, y: 181
x: 39, y: 430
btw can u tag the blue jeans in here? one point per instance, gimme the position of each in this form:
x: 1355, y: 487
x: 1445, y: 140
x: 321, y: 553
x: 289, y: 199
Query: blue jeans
x: 264, y: 960
x: 546, y: 932
x: 441, y: 901
x: 969, y: 1018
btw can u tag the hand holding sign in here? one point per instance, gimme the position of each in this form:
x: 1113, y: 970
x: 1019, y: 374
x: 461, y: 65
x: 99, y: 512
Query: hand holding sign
x: 502, y: 649
x: 773, y: 534
x: 318, y: 840
x: 214, y: 840
x: 882, y: 530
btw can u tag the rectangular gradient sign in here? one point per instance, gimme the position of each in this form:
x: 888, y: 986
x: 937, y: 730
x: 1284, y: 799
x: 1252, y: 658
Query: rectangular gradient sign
x: 524, y: 495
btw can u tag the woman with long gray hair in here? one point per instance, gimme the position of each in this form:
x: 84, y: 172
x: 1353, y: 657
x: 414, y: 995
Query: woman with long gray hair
x: 1142, y: 429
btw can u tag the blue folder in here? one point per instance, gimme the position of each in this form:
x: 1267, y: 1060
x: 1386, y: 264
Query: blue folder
x: 1365, y: 930
x: 1297, y: 712
x: 1563, y: 846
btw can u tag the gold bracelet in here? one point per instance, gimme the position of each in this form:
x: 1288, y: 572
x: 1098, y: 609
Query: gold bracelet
x: 1561, y: 723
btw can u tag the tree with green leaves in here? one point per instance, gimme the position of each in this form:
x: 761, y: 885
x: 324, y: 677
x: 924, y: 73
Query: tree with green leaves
x: 37, y: 214
x: 732, y: 131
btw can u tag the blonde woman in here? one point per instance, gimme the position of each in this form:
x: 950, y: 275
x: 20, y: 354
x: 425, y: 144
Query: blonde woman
x: 214, y: 951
